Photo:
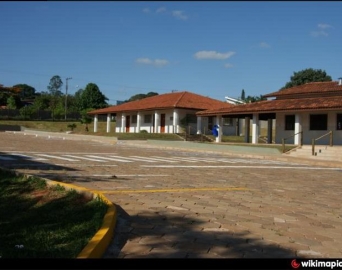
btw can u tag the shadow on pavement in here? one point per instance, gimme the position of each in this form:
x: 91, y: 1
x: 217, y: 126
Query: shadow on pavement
x: 171, y: 235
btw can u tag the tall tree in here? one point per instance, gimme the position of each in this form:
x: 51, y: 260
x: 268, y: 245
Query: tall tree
x: 92, y: 97
x: 26, y: 91
x: 306, y: 76
x: 54, y: 88
x: 243, y: 95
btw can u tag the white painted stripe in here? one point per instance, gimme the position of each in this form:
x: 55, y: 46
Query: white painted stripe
x: 198, y: 159
x: 127, y: 175
x: 107, y: 158
x: 56, y: 157
x: 156, y: 159
x: 6, y: 158
x: 29, y: 157
x: 170, y: 159
x: 182, y: 159
x: 142, y: 159
x: 237, y: 166
x: 85, y: 158
x: 86, y: 165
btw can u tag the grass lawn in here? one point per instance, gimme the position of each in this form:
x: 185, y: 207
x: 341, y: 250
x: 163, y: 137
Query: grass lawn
x: 38, y: 221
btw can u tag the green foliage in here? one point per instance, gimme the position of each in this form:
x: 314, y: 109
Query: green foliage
x: 85, y: 118
x: 243, y: 95
x: 92, y: 97
x: 26, y: 112
x: 306, y: 76
x: 72, y: 126
x: 55, y: 86
x: 143, y: 131
x: 11, y: 103
x: 42, y: 101
x: 251, y: 99
x: 26, y: 91
x: 141, y: 96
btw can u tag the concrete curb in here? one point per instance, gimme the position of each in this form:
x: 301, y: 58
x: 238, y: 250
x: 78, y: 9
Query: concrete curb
x: 98, y: 245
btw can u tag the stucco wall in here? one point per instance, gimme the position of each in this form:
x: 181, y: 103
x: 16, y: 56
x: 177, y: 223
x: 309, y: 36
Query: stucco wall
x: 308, y: 134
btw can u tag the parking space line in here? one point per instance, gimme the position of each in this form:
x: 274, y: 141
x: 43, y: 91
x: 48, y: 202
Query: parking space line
x: 107, y: 158
x: 56, y: 157
x: 85, y: 158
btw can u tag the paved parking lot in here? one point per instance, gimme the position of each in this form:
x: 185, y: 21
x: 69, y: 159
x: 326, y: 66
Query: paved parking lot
x: 187, y: 204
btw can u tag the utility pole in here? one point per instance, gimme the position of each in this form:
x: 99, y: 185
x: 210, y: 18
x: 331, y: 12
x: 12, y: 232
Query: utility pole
x: 66, y: 96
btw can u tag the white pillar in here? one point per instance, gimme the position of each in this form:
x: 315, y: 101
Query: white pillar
x: 138, y: 122
x: 108, y: 122
x: 175, y: 121
x: 156, y: 122
x: 298, y: 128
x: 95, y: 122
x: 123, y: 122
x: 199, y: 124
x: 255, y: 128
x: 219, y: 123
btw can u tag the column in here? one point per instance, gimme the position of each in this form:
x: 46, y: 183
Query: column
x: 175, y: 121
x: 95, y: 122
x: 298, y: 128
x: 199, y: 124
x: 219, y: 123
x: 108, y: 122
x: 156, y: 122
x: 255, y: 128
x: 138, y: 122
x: 123, y: 123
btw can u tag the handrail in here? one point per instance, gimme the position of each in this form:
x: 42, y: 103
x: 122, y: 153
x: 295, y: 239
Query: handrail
x: 301, y: 139
x: 330, y: 133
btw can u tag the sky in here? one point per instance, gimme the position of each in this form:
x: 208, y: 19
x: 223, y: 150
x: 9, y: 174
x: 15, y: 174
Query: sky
x: 211, y: 48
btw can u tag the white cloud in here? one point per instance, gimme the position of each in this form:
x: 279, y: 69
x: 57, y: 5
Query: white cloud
x: 146, y: 10
x: 213, y: 55
x: 264, y: 45
x: 324, y: 26
x: 155, y: 62
x: 179, y: 14
x: 161, y: 9
x: 227, y: 65
x: 146, y: 61
x: 321, y: 31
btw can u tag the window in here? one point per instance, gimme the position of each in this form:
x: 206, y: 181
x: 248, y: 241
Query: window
x: 171, y: 118
x: 318, y: 122
x: 134, y: 119
x: 227, y: 121
x: 148, y: 118
x: 289, y: 122
x: 339, y: 121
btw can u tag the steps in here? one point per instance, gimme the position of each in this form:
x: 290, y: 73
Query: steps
x: 322, y: 152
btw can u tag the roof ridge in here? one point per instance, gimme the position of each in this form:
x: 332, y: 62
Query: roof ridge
x: 180, y: 98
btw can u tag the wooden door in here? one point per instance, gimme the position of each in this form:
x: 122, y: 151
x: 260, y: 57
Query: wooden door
x: 162, y: 123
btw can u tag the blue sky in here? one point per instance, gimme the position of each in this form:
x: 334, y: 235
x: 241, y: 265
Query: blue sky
x: 214, y: 49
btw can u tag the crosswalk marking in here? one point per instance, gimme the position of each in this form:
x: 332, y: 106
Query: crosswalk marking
x: 85, y: 158
x: 180, y: 159
x: 136, y: 158
x: 29, y: 157
x: 107, y: 158
x: 50, y: 156
x: 149, y: 159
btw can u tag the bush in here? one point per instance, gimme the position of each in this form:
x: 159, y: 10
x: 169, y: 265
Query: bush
x: 143, y: 131
x: 72, y: 126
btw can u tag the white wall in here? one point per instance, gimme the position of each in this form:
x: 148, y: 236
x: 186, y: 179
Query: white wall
x: 308, y: 134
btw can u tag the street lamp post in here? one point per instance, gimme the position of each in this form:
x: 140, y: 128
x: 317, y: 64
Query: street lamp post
x: 66, y: 96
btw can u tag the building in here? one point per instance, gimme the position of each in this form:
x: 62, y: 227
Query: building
x: 301, y: 113
x: 166, y: 113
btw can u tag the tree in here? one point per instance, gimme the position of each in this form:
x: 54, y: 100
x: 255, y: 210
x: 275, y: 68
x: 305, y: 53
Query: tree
x: 141, y: 96
x: 26, y: 91
x: 251, y: 99
x: 92, y: 97
x: 243, y: 95
x: 306, y: 76
x: 11, y: 103
x: 54, y: 88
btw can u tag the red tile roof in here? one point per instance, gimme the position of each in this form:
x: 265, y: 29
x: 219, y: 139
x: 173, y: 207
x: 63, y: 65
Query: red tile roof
x: 267, y: 106
x: 308, y: 88
x: 184, y: 100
